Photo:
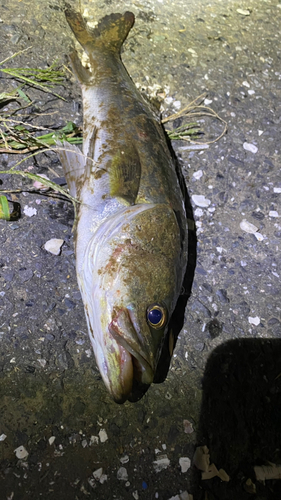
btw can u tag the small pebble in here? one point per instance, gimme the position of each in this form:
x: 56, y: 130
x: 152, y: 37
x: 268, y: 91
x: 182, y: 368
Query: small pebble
x: 54, y: 246
x: 184, y: 464
x: 273, y: 213
x: 250, y: 147
x: 122, y: 474
x: 277, y: 190
x: 124, y: 459
x: 197, y: 175
x: 103, y: 435
x: 3, y: 437
x: 21, y: 452
x: 254, y: 321
x: 248, y: 227
x: 200, y: 201
x: 51, y: 440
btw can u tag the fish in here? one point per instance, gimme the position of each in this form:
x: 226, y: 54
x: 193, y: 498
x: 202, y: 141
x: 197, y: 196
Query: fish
x: 131, y: 233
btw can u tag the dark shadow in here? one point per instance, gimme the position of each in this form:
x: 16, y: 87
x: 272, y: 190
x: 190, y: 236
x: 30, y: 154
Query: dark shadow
x: 177, y: 318
x: 240, y: 419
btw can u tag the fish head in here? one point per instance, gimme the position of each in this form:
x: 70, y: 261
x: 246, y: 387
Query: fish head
x: 133, y: 280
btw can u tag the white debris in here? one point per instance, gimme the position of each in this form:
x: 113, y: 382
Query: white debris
x: 177, y: 104
x: 51, y: 440
x: 260, y: 132
x: 191, y: 147
x: 124, y: 459
x: 246, y: 84
x: 248, y: 227
x: 277, y: 190
x: 103, y: 435
x: 98, y: 473
x: 42, y: 362
x: 135, y: 495
x: 122, y: 474
x: 54, y: 246
x: 273, y: 213
x: 197, y: 175
x: 259, y: 236
x: 3, y: 437
x: 94, y: 440
x: 198, y: 212
x: 162, y: 462
x: 29, y: 211
x: 193, y: 52
x: 251, y: 92
x: 250, y: 147
x: 200, y: 201
x: 184, y: 464
x: 243, y: 12
x: 84, y: 443
x: 208, y: 101
x: 21, y: 452
x: 254, y: 321
x: 182, y: 496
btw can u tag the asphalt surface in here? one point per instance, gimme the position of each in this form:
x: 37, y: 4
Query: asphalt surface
x: 224, y: 378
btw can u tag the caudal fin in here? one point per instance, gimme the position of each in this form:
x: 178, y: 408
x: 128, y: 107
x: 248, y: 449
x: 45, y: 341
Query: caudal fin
x: 109, y: 34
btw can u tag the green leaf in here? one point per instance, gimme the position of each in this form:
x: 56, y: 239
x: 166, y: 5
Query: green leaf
x: 4, y: 208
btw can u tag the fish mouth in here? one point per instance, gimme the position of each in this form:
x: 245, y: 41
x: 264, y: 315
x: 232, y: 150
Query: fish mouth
x: 136, y: 366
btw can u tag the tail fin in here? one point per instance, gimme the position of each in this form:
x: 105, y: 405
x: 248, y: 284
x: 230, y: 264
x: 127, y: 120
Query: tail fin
x: 109, y: 34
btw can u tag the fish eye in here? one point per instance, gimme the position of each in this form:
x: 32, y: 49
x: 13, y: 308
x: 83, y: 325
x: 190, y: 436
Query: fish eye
x: 156, y: 316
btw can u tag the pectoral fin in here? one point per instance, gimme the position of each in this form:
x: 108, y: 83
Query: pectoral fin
x: 124, y: 175
x: 73, y: 164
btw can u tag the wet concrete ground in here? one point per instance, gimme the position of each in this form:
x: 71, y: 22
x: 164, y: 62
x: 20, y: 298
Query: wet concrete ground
x: 225, y: 373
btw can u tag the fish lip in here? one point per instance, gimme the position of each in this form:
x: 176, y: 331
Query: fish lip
x: 142, y: 367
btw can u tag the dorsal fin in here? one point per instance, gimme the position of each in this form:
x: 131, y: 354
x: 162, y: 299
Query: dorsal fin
x: 109, y: 34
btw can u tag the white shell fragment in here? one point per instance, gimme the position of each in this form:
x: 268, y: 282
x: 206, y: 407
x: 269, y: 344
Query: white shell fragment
x: 254, y: 321
x: 103, y: 435
x: 273, y: 213
x: 29, y: 211
x: 200, y: 201
x: 259, y: 236
x: 243, y: 12
x: 3, y: 437
x: 250, y: 147
x: 277, y: 190
x: 21, y: 452
x: 161, y: 463
x: 51, y: 440
x: 184, y: 463
x: 248, y: 227
x: 54, y: 246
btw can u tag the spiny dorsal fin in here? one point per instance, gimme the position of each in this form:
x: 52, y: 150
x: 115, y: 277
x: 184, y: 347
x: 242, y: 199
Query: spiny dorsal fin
x: 109, y: 34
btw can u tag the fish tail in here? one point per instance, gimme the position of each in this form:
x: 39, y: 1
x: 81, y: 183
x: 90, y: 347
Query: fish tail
x: 109, y: 34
